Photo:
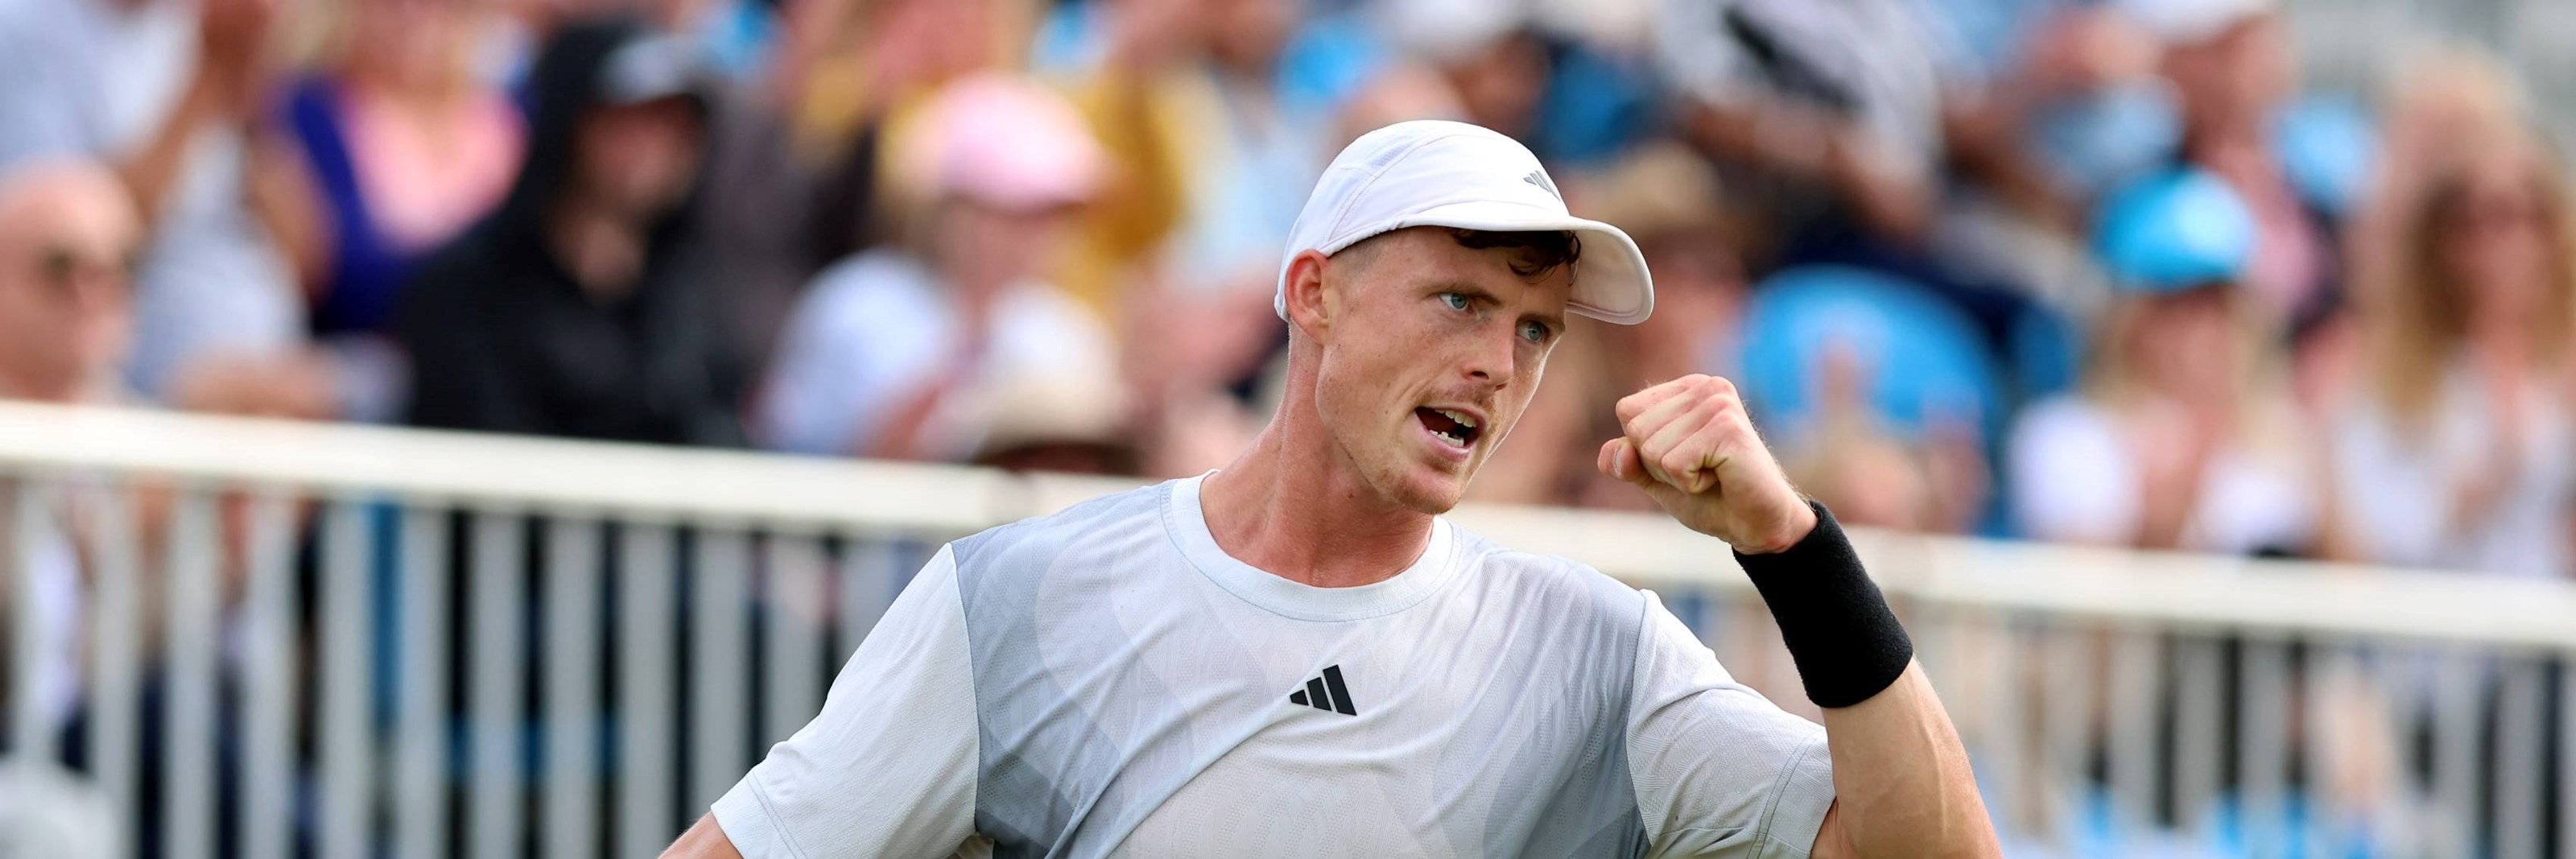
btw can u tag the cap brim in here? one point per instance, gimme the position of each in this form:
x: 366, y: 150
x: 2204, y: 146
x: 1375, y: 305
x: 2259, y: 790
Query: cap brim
x: 649, y: 70
x: 1611, y: 283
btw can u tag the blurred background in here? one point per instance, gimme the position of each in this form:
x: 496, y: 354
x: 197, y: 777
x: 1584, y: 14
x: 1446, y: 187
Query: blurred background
x: 2241, y: 278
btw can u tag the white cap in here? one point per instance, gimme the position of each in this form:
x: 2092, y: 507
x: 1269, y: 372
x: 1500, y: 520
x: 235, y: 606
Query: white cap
x: 1431, y: 172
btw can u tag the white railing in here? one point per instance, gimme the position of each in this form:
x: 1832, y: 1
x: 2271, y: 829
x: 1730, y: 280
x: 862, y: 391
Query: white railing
x: 254, y: 638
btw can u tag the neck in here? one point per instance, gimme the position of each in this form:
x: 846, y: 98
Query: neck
x: 603, y: 252
x: 1291, y: 507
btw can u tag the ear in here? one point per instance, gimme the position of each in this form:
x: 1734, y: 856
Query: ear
x: 1312, y: 302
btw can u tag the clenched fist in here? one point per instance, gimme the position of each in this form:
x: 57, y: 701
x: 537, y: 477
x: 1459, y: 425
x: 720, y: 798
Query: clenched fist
x: 1689, y: 444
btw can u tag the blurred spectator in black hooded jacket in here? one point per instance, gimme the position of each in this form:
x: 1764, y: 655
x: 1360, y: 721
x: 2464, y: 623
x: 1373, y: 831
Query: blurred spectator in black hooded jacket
x: 577, y: 310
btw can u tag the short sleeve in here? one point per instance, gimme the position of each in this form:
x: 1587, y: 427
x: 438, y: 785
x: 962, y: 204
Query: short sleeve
x: 889, y: 767
x: 1720, y: 770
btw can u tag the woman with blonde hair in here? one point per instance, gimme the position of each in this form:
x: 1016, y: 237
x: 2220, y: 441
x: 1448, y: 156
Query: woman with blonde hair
x: 2457, y: 450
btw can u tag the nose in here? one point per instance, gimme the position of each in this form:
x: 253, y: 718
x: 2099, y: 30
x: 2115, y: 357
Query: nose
x: 1490, y: 359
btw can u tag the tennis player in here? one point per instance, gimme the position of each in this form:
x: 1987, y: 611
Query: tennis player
x: 1295, y: 656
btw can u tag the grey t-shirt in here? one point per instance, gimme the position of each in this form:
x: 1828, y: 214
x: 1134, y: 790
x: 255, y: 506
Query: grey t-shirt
x: 1106, y: 681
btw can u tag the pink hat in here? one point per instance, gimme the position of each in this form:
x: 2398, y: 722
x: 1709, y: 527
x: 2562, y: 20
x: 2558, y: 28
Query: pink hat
x: 1006, y: 141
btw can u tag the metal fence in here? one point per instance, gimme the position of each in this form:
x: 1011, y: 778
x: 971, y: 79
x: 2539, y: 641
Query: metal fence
x: 260, y: 639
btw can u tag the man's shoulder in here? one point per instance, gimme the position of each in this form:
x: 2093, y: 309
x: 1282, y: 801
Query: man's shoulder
x: 1049, y: 535
x: 1562, y: 584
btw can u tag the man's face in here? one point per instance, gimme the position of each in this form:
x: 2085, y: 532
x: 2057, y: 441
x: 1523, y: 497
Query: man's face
x: 65, y: 260
x: 1433, y: 352
x: 640, y: 160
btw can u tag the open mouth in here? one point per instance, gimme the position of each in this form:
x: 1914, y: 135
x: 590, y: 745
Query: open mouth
x: 1455, y: 427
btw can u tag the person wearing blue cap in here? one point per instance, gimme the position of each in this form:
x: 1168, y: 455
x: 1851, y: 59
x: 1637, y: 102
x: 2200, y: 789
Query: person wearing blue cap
x: 2172, y: 442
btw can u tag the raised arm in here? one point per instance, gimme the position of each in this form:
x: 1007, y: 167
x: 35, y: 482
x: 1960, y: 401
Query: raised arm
x: 1901, y: 779
x: 1902, y: 787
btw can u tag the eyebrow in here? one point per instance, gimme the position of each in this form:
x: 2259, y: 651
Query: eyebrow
x: 1477, y: 292
x: 1467, y: 287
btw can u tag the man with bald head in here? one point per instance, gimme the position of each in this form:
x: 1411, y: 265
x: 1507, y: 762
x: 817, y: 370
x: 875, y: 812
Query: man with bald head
x: 68, y: 236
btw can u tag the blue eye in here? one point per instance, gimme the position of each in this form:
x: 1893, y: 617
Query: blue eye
x: 1533, y: 331
x: 1455, y: 300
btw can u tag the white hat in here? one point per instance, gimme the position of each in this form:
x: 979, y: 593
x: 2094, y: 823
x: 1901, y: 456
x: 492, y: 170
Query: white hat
x: 1430, y: 172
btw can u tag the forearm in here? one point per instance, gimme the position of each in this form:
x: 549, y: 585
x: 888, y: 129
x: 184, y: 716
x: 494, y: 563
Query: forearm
x: 1902, y: 786
x: 152, y: 169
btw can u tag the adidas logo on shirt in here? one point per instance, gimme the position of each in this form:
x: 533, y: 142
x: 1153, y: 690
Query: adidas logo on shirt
x: 1326, y: 692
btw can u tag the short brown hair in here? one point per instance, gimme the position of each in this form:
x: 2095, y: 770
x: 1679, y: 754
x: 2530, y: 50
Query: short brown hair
x: 1541, y: 251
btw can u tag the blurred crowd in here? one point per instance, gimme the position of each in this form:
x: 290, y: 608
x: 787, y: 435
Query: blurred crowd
x: 2081, y: 270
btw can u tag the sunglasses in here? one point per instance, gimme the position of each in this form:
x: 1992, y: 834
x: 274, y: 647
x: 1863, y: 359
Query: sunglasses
x: 63, y: 270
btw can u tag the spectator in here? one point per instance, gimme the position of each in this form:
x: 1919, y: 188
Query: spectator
x: 168, y: 92
x: 68, y: 233
x: 2232, y: 65
x: 408, y: 148
x: 2179, y: 440
x: 898, y: 353
x: 2458, y: 450
x: 574, y: 310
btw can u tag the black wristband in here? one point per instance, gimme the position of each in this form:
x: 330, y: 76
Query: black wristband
x: 1840, y: 632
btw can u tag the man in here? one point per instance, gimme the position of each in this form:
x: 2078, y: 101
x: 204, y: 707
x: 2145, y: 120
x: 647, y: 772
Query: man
x: 68, y: 233
x: 1295, y: 656
x: 579, y: 308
